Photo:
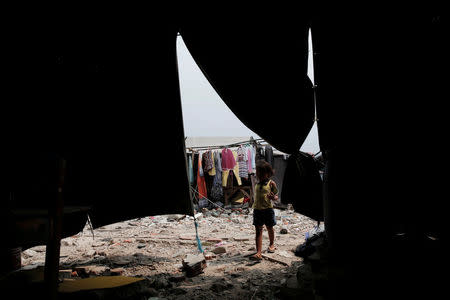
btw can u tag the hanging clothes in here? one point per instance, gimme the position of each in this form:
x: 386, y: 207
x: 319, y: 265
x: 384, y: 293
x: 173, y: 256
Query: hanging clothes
x: 242, y: 158
x: 252, y: 148
x: 201, y: 184
x: 207, y: 161
x: 228, y: 160
x: 268, y: 154
x: 212, y: 172
x: 260, y: 153
x: 236, y: 168
x: 249, y: 160
x: 234, y: 172
x: 217, y: 191
x: 191, y: 169
x: 195, y: 167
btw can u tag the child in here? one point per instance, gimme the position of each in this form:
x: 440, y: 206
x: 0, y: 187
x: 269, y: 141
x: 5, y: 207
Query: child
x: 265, y: 192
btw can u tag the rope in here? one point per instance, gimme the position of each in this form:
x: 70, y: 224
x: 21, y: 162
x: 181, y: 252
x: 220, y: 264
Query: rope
x: 195, y: 191
x: 199, y: 243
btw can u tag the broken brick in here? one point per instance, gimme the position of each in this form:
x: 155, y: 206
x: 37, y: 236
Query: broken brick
x: 194, y: 264
x: 219, y: 250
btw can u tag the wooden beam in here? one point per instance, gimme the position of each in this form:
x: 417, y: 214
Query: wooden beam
x: 52, y: 252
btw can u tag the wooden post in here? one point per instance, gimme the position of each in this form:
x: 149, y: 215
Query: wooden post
x: 52, y: 253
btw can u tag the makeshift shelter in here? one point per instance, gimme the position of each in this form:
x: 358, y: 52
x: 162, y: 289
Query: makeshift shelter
x: 89, y: 134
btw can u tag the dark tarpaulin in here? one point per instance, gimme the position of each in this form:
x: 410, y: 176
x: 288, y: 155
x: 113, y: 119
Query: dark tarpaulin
x: 380, y: 77
x: 279, y: 167
x: 127, y: 160
x: 258, y: 67
x: 302, y: 186
x: 110, y: 105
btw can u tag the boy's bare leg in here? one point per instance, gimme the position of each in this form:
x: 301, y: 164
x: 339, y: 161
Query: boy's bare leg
x: 258, y: 240
x: 271, y: 237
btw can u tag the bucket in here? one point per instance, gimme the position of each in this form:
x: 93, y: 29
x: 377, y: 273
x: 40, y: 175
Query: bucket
x: 11, y: 259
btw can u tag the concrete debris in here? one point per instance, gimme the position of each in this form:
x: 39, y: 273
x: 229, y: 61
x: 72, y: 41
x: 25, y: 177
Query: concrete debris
x: 243, y: 238
x: 194, y: 264
x: 173, y: 218
x: 284, y: 230
x: 28, y: 253
x: 210, y: 256
x: 117, y: 271
x: 219, y: 250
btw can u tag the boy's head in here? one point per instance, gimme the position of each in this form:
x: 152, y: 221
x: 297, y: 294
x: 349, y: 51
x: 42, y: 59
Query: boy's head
x: 263, y: 170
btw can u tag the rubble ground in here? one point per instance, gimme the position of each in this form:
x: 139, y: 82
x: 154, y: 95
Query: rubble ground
x: 154, y: 247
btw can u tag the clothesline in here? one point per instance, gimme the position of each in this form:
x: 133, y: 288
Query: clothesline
x: 223, y: 146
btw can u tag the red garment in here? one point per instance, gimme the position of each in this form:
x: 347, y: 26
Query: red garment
x: 228, y: 161
x: 201, y: 183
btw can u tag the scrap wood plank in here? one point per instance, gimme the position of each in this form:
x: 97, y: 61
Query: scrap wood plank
x: 273, y: 259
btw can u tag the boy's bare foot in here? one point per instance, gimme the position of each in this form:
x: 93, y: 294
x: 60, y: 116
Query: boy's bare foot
x: 271, y: 249
x: 256, y: 256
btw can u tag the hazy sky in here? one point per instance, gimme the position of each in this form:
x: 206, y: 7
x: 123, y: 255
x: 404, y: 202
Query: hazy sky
x: 204, y: 112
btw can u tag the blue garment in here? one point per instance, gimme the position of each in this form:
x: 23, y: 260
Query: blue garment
x: 191, y: 169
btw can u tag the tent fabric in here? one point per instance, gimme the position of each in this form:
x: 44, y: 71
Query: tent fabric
x: 279, y: 167
x: 302, y: 186
x: 258, y: 68
x: 375, y: 88
x: 380, y: 76
x: 117, y: 84
x: 99, y: 106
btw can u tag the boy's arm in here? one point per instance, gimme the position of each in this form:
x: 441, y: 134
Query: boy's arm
x: 273, y: 187
x: 274, y: 190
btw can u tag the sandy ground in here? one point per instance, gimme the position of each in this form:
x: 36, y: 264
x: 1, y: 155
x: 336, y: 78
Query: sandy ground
x: 154, y: 247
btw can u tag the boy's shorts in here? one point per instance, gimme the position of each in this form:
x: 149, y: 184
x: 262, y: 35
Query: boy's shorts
x: 264, y: 217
